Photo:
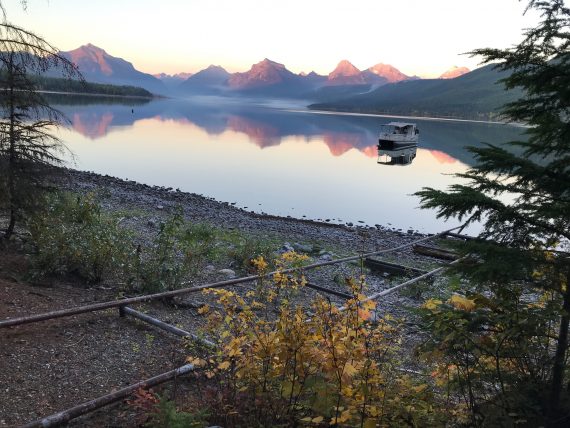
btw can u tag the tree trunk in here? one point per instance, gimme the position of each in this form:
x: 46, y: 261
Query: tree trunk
x: 10, y: 229
x: 12, y: 153
x: 560, y: 357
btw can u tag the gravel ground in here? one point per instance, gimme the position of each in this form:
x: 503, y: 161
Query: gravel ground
x: 49, y: 366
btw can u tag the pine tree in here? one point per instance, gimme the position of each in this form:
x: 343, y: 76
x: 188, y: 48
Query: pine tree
x: 520, y: 192
x: 28, y: 149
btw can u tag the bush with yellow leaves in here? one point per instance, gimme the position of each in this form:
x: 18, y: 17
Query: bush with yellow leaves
x: 280, y: 363
x: 491, y: 351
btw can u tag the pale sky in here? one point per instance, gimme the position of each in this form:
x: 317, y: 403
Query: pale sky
x: 421, y: 37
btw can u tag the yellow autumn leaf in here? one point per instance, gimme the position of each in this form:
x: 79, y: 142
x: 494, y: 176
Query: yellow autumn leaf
x: 317, y: 420
x: 349, y: 370
x: 198, y: 362
x: 224, y: 365
x: 259, y: 263
x: 462, y: 303
x: 204, y: 310
x: 432, y: 304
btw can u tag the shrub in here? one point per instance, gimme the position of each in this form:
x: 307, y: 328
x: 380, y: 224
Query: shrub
x: 166, y: 415
x: 159, y: 412
x: 244, y: 249
x: 491, y: 349
x: 177, y: 252
x: 71, y: 236
x: 289, y: 366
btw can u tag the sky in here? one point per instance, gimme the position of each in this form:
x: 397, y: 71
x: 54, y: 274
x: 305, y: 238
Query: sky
x: 419, y: 37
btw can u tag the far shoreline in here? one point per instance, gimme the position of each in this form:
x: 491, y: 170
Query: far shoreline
x: 91, y: 94
x: 393, y: 116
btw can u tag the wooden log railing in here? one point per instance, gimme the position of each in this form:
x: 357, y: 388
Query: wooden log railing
x: 11, y: 322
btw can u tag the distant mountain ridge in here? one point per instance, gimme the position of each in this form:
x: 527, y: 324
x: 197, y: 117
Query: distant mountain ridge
x: 172, y: 80
x: 474, y: 95
x: 381, y: 88
x: 346, y: 73
x: 264, y: 73
x: 388, y: 72
x: 98, y: 66
x: 212, y: 80
x: 179, y: 76
x: 454, y: 72
x: 271, y: 78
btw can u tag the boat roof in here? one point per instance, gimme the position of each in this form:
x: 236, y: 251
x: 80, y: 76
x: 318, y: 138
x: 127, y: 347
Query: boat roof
x: 400, y: 124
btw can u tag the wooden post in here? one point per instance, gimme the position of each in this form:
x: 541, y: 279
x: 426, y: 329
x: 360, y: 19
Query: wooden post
x: 164, y: 326
x: 65, y: 416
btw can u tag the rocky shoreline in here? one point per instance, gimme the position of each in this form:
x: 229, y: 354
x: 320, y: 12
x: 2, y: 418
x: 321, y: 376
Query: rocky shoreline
x: 95, y: 353
x: 143, y: 208
x: 159, y: 201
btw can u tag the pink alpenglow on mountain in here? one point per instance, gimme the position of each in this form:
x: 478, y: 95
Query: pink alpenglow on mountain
x: 182, y: 76
x: 98, y: 66
x: 177, y: 76
x: 263, y: 73
x: 454, y: 72
x: 390, y: 73
x: 346, y: 74
x: 90, y: 58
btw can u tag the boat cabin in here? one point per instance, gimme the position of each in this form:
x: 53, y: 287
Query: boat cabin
x: 399, y: 128
x: 395, y: 134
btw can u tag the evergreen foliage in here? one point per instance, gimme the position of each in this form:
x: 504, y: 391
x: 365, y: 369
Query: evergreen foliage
x: 521, y: 195
x: 27, y: 147
x: 475, y: 95
x: 44, y: 83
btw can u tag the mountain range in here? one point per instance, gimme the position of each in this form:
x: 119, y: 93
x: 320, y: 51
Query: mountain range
x: 474, y: 95
x: 267, y: 77
x: 98, y: 66
x: 381, y: 88
x: 172, y: 80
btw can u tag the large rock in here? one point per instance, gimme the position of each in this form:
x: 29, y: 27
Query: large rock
x: 228, y: 272
x: 302, y: 248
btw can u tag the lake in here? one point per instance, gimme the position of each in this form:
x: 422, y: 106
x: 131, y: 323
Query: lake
x: 271, y: 157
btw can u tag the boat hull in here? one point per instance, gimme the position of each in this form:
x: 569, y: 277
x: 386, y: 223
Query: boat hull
x: 392, y: 144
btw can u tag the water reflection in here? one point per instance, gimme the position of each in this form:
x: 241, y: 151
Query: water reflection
x: 284, y: 162
x: 269, y: 127
x: 401, y: 156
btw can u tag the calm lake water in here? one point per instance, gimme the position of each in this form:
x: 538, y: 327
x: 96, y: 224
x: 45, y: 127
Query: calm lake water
x: 272, y: 158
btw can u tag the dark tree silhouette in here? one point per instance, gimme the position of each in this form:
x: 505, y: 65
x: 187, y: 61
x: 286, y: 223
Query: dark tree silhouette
x: 523, y: 200
x: 28, y: 148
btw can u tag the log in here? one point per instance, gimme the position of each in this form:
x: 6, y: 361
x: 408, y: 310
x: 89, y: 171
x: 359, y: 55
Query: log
x: 328, y: 290
x: 460, y: 236
x: 11, y: 322
x: 60, y: 418
x: 393, y: 268
x: 438, y: 253
x: 125, y: 310
x: 405, y: 283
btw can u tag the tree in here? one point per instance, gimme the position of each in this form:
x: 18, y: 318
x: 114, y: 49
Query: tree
x: 28, y: 149
x: 521, y: 192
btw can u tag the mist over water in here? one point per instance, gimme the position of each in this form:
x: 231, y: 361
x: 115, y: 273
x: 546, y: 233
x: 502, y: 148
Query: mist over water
x: 272, y: 157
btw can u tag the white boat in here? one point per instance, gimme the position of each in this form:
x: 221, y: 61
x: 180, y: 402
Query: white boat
x: 398, y: 134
